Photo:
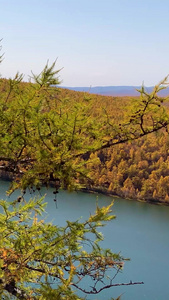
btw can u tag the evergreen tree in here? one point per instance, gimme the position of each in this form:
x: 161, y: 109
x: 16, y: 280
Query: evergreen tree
x: 44, y: 140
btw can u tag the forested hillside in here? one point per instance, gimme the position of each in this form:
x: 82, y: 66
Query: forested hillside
x: 72, y: 140
x: 136, y: 169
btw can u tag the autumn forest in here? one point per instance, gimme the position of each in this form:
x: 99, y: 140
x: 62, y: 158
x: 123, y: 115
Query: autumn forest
x: 135, y: 169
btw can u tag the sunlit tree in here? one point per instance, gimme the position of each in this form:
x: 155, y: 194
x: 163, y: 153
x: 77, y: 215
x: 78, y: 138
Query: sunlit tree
x: 46, y: 139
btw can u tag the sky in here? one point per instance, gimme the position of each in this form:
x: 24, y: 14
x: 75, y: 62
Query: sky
x: 95, y: 42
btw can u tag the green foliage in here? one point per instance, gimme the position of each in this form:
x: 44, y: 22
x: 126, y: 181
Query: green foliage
x: 44, y: 261
x: 47, y: 77
x: 47, y: 138
x: 42, y: 138
x: 137, y: 170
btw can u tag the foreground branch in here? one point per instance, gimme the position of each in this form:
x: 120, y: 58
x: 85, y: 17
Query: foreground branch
x: 95, y: 291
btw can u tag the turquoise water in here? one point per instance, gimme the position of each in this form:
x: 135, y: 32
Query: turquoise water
x: 140, y: 232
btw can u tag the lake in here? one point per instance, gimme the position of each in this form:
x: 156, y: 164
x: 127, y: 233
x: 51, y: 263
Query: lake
x: 140, y: 232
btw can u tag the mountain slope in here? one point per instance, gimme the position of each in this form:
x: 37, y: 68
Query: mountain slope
x: 116, y: 90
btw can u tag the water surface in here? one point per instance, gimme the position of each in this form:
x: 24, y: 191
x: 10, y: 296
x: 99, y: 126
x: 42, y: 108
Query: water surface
x: 140, y: 232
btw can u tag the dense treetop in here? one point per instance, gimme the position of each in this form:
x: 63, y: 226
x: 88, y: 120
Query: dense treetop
x: 70, y: 140
x: 52, y: 135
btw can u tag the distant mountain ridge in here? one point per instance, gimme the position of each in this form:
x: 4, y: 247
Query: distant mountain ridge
x: 116, y: 91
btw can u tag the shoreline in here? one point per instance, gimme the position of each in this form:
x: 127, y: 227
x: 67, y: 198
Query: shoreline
x: 7, y: 176
x: 107, y: 193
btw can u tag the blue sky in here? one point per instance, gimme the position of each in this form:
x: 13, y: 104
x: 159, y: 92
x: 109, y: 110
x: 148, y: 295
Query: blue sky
x: 97, y: 42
